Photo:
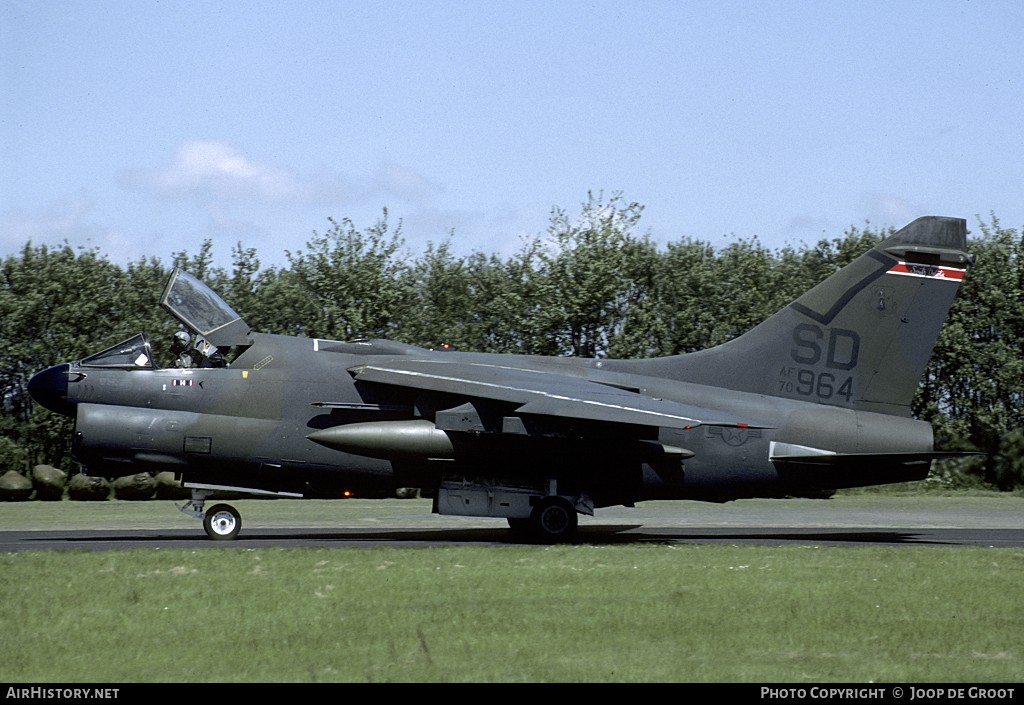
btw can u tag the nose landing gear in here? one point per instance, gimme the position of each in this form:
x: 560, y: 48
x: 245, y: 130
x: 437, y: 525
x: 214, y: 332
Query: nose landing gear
x: 222, y: 522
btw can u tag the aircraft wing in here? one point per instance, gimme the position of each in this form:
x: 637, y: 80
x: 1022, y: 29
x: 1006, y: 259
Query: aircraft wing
x: 541, y: 393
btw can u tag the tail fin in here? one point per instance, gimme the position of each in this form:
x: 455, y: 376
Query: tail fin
x: 861, y: 339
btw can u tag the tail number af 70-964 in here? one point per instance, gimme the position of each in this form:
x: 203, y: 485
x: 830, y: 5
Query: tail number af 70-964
x: 837, y: 348
x: 807, y: 383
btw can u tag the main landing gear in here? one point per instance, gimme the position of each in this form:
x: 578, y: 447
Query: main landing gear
x: 535, y: 512
x: 553, y: 519
x: 221, y: 521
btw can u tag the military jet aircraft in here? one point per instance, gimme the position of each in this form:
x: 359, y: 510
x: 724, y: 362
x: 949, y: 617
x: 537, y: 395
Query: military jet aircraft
x: 817, y: 397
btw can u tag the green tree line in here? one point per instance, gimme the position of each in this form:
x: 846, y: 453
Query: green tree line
x: 593, y: 285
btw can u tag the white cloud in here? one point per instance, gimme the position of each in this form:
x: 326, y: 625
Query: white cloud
x: 203, y: 169
x: 209, y: 170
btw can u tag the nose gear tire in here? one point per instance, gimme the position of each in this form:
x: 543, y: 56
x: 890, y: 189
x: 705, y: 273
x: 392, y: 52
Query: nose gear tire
x: 222, y: 522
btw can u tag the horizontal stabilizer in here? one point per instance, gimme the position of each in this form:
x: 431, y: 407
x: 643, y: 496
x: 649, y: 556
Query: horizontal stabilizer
x: 832, y: 459
x: 833, y: 471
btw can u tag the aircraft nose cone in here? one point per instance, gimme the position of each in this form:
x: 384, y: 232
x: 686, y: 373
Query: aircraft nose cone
x: 50, y: 389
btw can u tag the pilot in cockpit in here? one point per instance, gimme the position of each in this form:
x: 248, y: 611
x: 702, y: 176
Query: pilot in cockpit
x: 188, y: 356
x: 184, y: 356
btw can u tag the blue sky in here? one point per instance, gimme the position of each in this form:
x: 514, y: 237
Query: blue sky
x: 145, y: 127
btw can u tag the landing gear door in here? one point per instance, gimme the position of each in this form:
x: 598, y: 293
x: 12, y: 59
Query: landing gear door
x: 203, y: 311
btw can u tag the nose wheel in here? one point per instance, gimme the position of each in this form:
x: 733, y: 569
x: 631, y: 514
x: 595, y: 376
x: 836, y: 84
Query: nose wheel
x: 221, y: 521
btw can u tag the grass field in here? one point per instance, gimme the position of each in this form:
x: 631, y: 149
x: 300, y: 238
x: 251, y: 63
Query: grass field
x: 651, y: 612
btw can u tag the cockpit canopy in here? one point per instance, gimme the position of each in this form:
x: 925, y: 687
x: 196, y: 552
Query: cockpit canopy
x: 193, y: 303
x: 203, y: 311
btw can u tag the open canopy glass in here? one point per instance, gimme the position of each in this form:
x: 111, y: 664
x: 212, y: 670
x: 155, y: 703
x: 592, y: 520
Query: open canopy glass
x: 203, y: 311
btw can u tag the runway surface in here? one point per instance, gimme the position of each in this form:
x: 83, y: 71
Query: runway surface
x: 408, y: 523
x: 11, y: 541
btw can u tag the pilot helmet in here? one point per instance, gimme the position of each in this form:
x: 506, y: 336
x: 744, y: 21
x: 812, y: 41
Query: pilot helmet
x: 181, y: 338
